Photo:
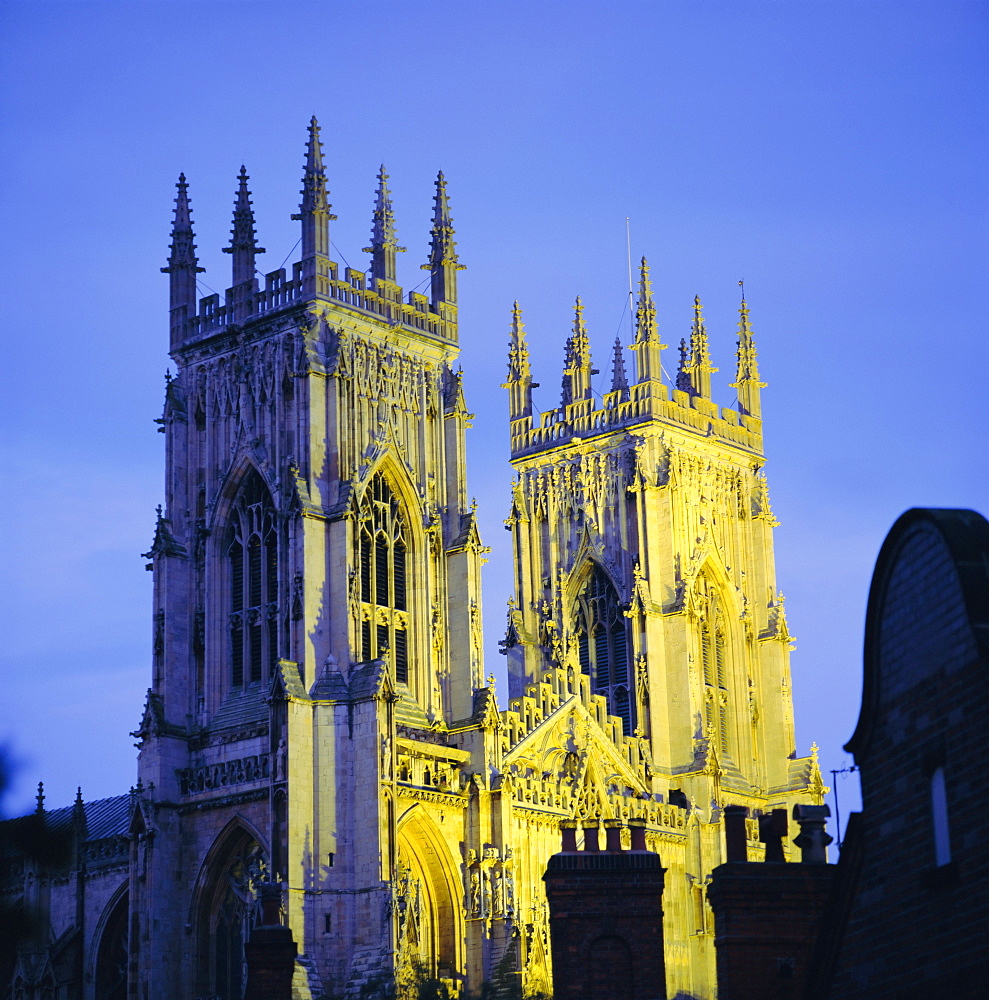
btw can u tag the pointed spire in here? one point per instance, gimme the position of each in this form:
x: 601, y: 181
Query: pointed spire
x: 443, y: 261
x: 683, y: 375
x: 619, y: 380
x: 40, y: 798
x: 79, y: 811
x: 314, y: 214
x: 183, y: 264
x: 383, y: 238
x: 648, y: 363
x: 519, y: 384
x: 577, y: 370
x: 699, y: 365
x: 243, y: 241
x: 315, y: 196
x: 747, y: 373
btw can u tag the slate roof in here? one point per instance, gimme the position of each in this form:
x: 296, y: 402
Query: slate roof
x: 241, y: 709
x: 408, y: 712
x: 365, y: 679
x: 330, y: 687
x: 104, y: 818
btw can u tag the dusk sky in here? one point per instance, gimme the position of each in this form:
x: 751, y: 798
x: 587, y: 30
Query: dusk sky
x: 833, y: 155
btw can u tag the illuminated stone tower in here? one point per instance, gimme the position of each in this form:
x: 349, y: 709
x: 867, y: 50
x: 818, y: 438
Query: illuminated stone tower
x: 316, y: 602
x: 642, y: 538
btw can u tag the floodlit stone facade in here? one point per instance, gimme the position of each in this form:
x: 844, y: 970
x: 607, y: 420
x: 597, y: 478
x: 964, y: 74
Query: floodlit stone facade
x: 319, y: 714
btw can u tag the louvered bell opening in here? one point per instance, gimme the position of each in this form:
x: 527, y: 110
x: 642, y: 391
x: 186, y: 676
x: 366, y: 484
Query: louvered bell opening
x: 236, y: 577
x: 255, y: 634
x: 237, y: 656
x: 401, y: 656
x: 365, y: 567
x: 366, y: 652
x: 623, y: 709
x: 719, y: 658
x: 272, y: 642
x: 254, y: 572
x: 601, y: 659
x: 398, y: 555
x: 619, y: 646
x: 707, y: 660
x: 381, y: 571
x: 583, y: 652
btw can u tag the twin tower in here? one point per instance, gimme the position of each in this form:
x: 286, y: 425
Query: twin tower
x: 318, y: 716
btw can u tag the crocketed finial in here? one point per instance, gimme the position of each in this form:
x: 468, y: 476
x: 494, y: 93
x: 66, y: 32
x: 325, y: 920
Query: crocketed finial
x: 314, y: 211
x: 519, y: 383
x: 183, y: 264
x: 443, y: 261
x: 384, y: 245
x: 243, y: 241
x: 699, y: 367
x: 747, y: 370
x: 647, y: 347
x: 619, y: 380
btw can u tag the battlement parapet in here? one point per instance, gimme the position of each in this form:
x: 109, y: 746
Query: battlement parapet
x: 647, y: 401
x: 281, y: 292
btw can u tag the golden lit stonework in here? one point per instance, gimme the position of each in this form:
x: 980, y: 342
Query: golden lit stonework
x: 319, y: 722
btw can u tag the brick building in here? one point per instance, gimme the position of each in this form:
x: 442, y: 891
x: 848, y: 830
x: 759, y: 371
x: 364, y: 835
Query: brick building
x: 910, y: 914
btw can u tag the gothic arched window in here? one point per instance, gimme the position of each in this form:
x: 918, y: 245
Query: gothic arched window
x: 602, y: 644
x: 382, y: 568
x: 112, y: 956
x: 253, y: 556
x: 714, y: 668
x: 228, y: 915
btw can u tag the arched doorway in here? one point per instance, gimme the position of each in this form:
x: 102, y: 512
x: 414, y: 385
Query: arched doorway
x: 429, y: 926
x: 227, y: 912
x: 112, y: 954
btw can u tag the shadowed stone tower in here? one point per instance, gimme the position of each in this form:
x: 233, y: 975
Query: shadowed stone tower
x: 318, y: 717
x: 316, y: 590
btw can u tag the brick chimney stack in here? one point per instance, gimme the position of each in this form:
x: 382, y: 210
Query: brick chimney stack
x: 606, y: 916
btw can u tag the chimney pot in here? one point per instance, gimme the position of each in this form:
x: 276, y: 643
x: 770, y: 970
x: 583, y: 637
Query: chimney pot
x: 772, y: 830
x: 637, y: 828
x: 591, y: 835
x: 813, y: 839
x: 736, y: 848
x: 568, y: 828
x: 613, y: 834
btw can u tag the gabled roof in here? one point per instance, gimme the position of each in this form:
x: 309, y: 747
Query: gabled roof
x: 962, y: 577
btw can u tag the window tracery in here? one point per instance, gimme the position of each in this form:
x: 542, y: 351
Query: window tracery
x: 714, y: 668
x: 253, y: 566
x: 231, y: 913
x: 601, y: 630
x: 383, y: 560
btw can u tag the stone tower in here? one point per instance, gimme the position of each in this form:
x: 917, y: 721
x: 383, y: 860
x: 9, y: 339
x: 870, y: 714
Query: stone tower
x: 642, y: 536
x: 316, y: 586
x: 319, y: 722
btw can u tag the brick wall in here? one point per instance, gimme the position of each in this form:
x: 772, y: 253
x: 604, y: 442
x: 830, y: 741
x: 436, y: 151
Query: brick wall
x: 606, y: 925
x: 916, y: 928
x: 766, y: 919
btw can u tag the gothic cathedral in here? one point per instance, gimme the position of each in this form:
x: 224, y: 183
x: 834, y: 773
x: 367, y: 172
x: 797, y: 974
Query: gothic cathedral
x: 319, y: 714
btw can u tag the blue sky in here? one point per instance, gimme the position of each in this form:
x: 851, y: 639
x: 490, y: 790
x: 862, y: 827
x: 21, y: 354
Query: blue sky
x: 831, y: 154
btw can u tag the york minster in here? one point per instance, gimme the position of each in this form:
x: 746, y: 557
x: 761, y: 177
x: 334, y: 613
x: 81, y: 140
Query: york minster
x: 320, y: 715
